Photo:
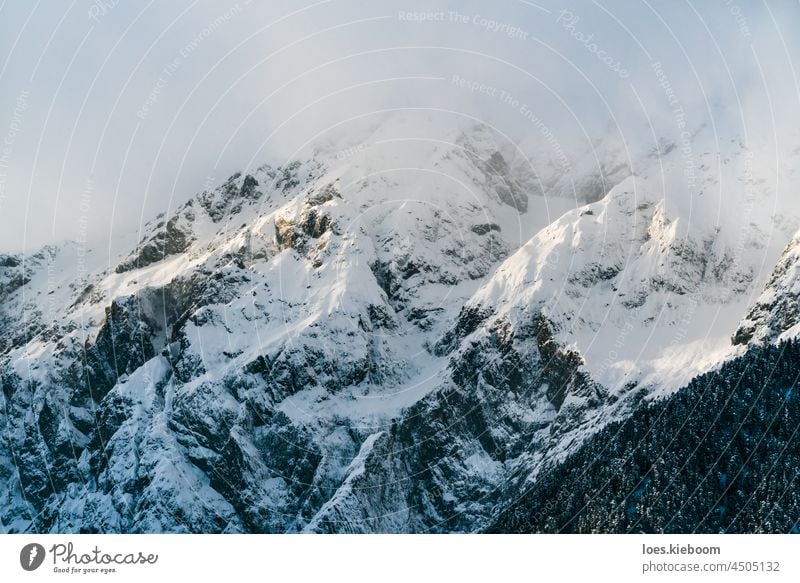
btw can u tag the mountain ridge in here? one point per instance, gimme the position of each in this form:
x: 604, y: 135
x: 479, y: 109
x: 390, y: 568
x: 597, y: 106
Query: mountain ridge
x: 367, y: 342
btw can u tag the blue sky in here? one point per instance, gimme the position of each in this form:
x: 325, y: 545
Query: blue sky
x: 111, y: 112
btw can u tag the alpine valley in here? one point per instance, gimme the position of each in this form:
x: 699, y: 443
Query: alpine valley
x: 423, y: 327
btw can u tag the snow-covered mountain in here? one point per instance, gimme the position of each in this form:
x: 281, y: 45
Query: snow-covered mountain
x: 396, y: 332
x: 776, y: 314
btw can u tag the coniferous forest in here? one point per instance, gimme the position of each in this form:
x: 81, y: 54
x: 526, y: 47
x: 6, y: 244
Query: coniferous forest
x: 721, y: 455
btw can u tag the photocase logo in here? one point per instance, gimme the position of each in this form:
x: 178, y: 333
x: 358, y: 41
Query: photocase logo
x: 31, y: 556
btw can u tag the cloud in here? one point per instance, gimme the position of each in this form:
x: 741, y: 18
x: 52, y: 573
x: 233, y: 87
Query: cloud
x: 118, y: 110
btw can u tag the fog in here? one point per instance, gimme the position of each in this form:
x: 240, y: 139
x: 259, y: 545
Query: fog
x: 113, y: 111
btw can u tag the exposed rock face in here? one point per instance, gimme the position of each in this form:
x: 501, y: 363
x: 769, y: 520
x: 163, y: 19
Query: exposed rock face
x: 183, y: 391
x: 702, y: 460
x: 358, y: 345
x: 503, y: 183
x: 776, y: 313
x: 228, y: 200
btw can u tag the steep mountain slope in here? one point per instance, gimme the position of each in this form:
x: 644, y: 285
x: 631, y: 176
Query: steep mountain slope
x: 614, y: 304
x: 394, y: 334
x: 776, y: 314
x: 225, y: 374
x: 583, y: 172
x: 720, y: 456
x: 643, y: 282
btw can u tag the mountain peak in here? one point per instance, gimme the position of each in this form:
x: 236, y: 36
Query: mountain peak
x: 775, y: 315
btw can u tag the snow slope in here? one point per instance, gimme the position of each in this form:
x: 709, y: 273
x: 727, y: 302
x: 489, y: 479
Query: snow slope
x: 291, y: 303
x: 776, y: 313
x: 390, y: 334
x: 649, y: 283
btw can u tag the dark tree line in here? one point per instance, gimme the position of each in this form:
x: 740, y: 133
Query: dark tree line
x: 720, y: 455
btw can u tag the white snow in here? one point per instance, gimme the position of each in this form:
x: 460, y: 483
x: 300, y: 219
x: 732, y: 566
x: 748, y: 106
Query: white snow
x: 648, y: 284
